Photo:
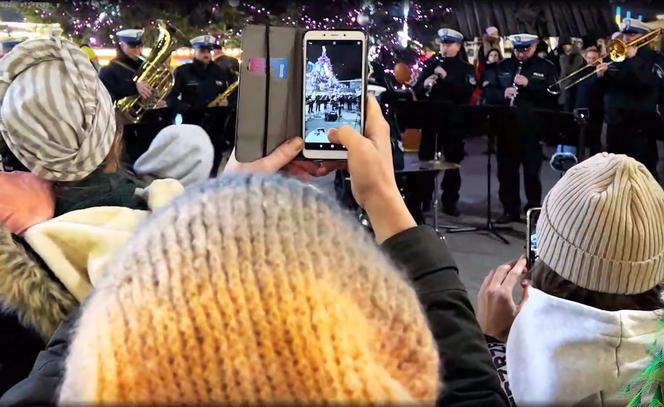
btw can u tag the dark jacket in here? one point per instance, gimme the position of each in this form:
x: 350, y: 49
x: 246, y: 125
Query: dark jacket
x: 467, y: 370
x: 632, y: 84
x: 32, y: 304
x: 456, y: 88
x: 118, y: 76
x: 568, y: 64
x: 98, y: 189
x: 540, y: 73
x: 197, y: 85
x: 589, y: 94
x: 41, y: 386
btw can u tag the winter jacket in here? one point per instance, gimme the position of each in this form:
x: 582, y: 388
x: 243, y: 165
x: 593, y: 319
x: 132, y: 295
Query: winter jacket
x: 568, y: 64
x: 32, y: 304
x: 36, y: 298
x: 561, y: 352
x: 467, y: 370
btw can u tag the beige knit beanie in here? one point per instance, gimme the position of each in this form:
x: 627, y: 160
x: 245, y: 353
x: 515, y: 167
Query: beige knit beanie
x: 257, y: 290
x: 602, y: 226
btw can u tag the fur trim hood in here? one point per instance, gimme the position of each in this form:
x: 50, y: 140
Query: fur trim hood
x: 28, y: 290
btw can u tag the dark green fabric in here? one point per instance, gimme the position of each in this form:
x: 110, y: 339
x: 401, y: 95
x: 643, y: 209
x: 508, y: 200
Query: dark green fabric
x: 98, y: 189
x: 466, y: 369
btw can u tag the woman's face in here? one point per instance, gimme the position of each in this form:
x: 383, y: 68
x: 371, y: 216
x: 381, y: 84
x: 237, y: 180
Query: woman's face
x: 493, y: 57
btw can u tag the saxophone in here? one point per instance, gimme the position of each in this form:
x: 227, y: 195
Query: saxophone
x: 155, y: 73
x: 216, y: 102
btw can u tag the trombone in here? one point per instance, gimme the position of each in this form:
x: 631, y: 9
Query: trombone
x: 617, y: 53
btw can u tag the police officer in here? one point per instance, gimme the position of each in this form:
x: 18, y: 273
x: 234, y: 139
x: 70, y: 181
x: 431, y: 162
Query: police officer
x: 446, y: 78
x: 630, y: 99
x: 523, y: 78
x: 118, y: 75
x: 196, y: 85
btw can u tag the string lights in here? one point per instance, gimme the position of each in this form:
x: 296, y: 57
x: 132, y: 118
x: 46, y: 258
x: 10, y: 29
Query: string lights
x: 396, y: 29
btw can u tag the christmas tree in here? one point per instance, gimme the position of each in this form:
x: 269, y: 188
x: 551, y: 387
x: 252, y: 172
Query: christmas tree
x: 322, y: 75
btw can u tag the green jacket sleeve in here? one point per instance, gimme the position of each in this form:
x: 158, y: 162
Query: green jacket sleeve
x: 467, y: 370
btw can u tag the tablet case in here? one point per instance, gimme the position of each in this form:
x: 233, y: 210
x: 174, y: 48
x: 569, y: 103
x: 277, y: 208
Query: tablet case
x: 270, y: 92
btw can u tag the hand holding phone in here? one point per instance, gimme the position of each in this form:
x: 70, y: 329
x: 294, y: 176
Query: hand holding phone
x: 376, y: 191
x: 334, y: 89
x: 531, y: 236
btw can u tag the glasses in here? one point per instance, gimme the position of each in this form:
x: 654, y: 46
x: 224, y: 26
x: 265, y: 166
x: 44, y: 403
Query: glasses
x: 135, y: 45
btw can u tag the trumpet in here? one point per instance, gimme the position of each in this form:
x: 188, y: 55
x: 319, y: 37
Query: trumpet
x: 617, y: 53
x: 216, y: 102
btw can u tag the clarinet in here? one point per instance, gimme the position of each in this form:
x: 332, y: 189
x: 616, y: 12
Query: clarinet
x: 514, y: 85
x: 440, y: 60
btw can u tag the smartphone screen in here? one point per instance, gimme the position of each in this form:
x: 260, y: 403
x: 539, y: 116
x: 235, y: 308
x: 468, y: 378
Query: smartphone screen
x: 531, y: 236
x: 333, y: 89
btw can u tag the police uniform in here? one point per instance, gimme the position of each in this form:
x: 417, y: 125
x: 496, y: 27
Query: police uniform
x: 519, y: 136
x: 196, y: 85
x: 631, y: 96
x: 118, y: 75
x: 455, y: 89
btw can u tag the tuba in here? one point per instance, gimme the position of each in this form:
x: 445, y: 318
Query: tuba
x: 155, y: 73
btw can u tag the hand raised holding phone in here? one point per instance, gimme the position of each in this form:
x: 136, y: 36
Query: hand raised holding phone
x: 372, y: 174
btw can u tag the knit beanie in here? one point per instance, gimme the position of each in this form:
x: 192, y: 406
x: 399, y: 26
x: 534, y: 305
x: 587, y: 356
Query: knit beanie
x: 602, y: 226
x: 252, y: 289
x: 180, y: 151
x: 55, y: 114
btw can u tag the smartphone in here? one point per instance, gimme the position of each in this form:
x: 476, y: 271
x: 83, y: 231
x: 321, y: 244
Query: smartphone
x: 531, y: 236
x: 334, y: 89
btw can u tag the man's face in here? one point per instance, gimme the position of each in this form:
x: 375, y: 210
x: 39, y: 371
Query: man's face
x: 132, y: 51
x: 567, y: 48
x: 591, y: 57
x: 203, y: 55
x: 629, y: 37
x: 450, y: 49
x: 523, y: 54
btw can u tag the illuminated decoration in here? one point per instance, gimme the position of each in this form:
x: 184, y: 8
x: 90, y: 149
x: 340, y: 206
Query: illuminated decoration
x: 400, y: 31
x: 178, y: 57
x: 618, y: 15
x: 403, y: 34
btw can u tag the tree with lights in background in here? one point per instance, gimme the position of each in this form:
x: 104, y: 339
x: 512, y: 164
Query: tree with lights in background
x: 322, y: 74
x: 398, y: 30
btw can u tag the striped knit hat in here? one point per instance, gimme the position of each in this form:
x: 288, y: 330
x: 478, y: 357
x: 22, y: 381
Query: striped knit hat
x: 257, y: 290
x: 55, y: 114
x: 602, y: 226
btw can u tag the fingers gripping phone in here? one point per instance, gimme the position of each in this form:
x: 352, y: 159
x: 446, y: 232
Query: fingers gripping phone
x: 334, y: 89
x: 531, y: 236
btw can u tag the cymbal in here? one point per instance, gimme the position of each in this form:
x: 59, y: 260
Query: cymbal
x: 439, y: 165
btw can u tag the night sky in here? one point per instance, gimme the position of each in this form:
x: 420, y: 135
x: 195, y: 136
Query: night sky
x: 346, y: 57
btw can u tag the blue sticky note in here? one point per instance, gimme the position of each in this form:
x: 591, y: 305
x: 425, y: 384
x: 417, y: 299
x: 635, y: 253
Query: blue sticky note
x: 279, y: 67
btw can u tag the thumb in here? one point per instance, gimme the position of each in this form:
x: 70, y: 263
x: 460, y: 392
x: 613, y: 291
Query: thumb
x: 282, y: 155
x: 346, y: 136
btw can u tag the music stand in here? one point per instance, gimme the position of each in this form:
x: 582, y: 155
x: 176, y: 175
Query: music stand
x: 485, y: 114
x: 502, y: 113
